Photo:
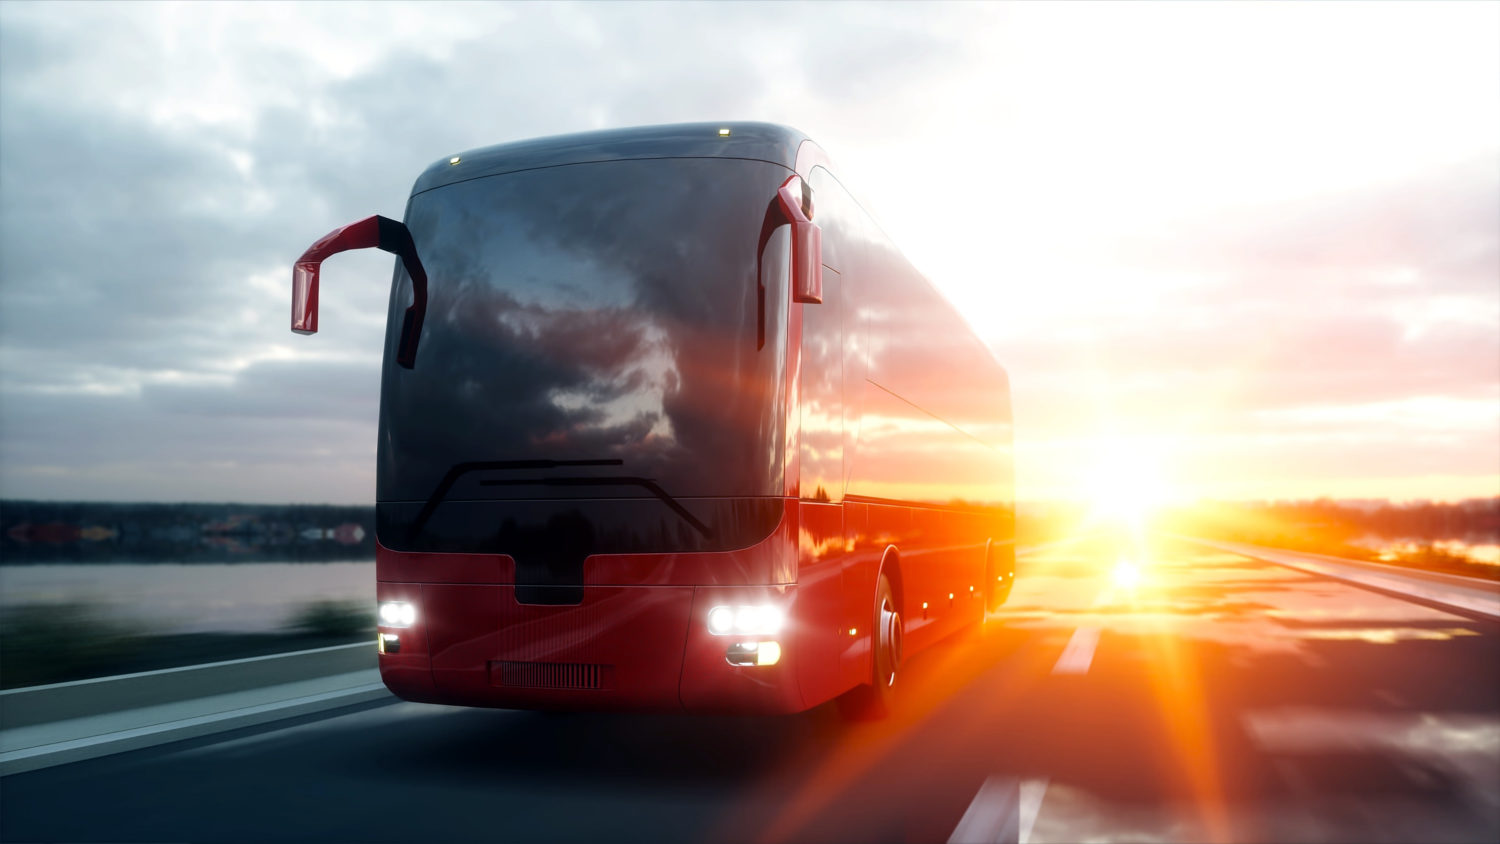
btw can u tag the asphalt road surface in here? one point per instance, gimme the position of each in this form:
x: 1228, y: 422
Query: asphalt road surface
x: 1197, y: 696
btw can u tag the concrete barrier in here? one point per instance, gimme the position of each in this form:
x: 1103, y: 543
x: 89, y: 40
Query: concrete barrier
x: 33, y: 705
x: 60, y: 723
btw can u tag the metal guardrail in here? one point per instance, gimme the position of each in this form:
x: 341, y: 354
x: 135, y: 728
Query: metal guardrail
x: 34, y: 705
x: 1468, y: 596
x: 42, y: 726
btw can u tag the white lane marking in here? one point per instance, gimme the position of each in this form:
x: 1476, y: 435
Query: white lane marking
x: 1079, y: 653
x: 1032, y: 792
x: 993, y: 815
x: 1002, y: 812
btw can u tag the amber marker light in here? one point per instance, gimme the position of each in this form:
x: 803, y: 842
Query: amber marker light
x: 724, y: 133
x: 753, y: 653
x: 455, y: 159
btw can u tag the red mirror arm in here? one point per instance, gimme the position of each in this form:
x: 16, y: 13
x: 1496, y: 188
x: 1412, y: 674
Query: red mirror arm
x: 375, y: 232
x: 807, y: 242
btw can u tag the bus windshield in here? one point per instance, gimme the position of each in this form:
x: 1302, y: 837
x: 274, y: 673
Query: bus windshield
x: 604, y: 344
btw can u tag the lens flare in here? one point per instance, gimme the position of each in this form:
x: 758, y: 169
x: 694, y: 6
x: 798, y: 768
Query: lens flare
x: 1127, y: 574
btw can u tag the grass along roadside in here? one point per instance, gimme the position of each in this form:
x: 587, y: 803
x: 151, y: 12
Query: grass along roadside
x: 58, y: 642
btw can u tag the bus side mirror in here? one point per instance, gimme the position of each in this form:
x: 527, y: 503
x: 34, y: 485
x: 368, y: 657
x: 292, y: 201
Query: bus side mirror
x: 807, y: 241
x: 375, y: 232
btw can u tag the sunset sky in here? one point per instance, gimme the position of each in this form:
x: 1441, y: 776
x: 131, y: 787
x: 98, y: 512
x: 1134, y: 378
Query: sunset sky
x: 1232, y: 250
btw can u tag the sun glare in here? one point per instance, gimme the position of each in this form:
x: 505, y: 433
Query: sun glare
x: 1126, y: 486
x: 1127, y: 574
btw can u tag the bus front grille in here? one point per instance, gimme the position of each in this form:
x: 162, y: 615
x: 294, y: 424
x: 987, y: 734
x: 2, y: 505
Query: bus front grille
x: 550, y: 675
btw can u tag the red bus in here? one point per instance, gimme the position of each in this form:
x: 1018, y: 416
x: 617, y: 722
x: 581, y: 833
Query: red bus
x: 668, y: 423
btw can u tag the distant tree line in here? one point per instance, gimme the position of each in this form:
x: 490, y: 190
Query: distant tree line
x: 1475, y: 521
x: 102, y: 532
x: 1356, y: 530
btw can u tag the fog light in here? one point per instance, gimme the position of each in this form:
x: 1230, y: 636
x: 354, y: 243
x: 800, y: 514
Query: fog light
x: 397, y: 614
x: 753, y: 653
x: 388, y: 643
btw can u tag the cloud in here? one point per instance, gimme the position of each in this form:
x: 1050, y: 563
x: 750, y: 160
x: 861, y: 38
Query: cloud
x: 1139, y: 217
x: 1251, y: 332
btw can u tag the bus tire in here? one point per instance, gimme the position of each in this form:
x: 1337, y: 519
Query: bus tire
x: 875, y: 699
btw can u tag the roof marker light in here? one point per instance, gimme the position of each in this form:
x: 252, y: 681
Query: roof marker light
x: 455, y: 159
x: 724, y: 133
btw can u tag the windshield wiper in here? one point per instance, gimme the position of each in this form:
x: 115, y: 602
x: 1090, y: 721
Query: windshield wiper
x: 458, y: 470
x: 644, y: 483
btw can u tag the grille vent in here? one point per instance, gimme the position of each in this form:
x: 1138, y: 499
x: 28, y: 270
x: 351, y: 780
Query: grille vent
x: 549, y: 675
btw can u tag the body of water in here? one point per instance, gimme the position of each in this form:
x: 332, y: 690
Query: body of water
x: 259, y: 597
x: 197, y: 597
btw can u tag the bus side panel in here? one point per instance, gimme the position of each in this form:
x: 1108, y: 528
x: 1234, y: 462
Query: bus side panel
x: 820, y: 628
x: 921, y: 579
x: 860, y: 567
x: 911, y: 470
x: 955, y: 554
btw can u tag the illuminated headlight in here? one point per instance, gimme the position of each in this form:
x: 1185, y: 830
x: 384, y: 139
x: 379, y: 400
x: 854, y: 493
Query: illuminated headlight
x: 397, y: 614
x: 753, y: 620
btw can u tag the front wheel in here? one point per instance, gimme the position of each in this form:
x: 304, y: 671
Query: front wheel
x: 875, y: 699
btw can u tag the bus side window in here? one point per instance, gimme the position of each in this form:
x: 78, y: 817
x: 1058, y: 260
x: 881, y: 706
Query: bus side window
x: 847, y: 232
x: 822, y: 396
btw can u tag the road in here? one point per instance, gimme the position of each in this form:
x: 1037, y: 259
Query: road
x: 1216, y: 698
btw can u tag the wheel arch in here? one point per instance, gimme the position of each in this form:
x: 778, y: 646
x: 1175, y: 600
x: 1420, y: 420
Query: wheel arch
x: 890, y: 566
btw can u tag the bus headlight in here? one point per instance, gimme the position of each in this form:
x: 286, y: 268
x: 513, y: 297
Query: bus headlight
x: 397, y: 614
x: 751, y: 620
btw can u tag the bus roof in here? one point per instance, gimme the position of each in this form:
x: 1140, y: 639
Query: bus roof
x: 759, y: 141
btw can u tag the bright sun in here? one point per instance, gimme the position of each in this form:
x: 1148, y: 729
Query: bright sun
x: 1125, y: 486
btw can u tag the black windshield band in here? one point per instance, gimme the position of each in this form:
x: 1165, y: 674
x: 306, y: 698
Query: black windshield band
x: 644, y: 483
x: 461, y: 469
x: 625, y: 525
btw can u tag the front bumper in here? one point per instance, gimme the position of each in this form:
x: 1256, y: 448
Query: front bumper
x: 642, y: 648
